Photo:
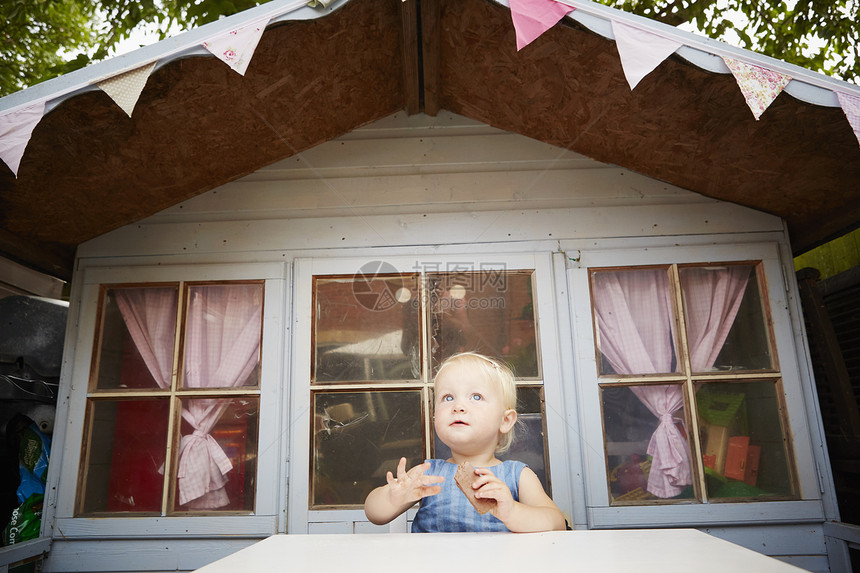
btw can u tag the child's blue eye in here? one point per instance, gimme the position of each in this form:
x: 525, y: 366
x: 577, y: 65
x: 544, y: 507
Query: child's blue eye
x: 477, y: 397
x: 447, y: 398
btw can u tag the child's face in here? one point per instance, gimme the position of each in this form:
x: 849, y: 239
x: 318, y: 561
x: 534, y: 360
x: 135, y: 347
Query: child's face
x: 469, y: 410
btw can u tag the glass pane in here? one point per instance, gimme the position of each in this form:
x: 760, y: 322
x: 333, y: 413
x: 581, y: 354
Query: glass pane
x: 358, y: 437
x: 123, y: 469
x: 634, y: 322
x: 135, y: 345
x: 367, y: 327
x: 233, y: 425
x: 222, y: 336
x: 629, y: 423
x: 743, y: 442
x: 529, y: 445
x: 726, y: 324
x: 491, y: 312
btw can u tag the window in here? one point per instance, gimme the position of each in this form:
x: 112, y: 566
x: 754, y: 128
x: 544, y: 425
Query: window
x: 690, y: 387
x: 378, y: 337
x: 173, y: 401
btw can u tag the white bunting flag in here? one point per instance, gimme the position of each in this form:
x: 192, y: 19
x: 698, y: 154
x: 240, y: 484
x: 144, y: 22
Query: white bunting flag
x: 759, y: 85
x: 236, y: 47
x: 640, y: 51
x: 15, y: 130
x: 125, y: 88
x: 534, y: 17
x: 851, y: 106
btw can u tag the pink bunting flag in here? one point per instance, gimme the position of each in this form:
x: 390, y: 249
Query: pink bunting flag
x: 236, y: 47
x: 15, y: 130
x: 534, y: 17
x: 851, y: 106
x: 640, y: 51
x: 759, y: 85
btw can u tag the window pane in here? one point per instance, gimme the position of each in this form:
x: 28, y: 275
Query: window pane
x: 207, y: 484
x: 634, y: 322
x: 137, y: 338
x: 367, y: 328
x: 743, y: 442
x: 358, y: 437
x: 125, y: 456
x: 726, y: 325
x: 491, y: 312
x: 631, y: 420
x: 529, y: 445
x: 222, y: 336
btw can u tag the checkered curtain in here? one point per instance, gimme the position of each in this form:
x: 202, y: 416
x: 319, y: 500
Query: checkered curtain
x: 222, y: 348
x: 712, y: 297
x: 150, y: 317
x: 635, y: 334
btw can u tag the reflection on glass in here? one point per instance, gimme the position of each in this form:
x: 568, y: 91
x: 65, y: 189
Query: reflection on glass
x: 491, y: 312
x: 135, y: 347
x: 634, y: 321
x: 358, y: 437
x: 232, y: 422
x: 529, y: 445
x: 222, y: 336
x: 631, y: 417
x: 367, y: 328
x: 125, y: 456
x: 743, y: 443
x: 726, y: 325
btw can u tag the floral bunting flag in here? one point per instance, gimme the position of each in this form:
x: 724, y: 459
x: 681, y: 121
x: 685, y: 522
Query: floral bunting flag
x: 534, y: 17
x: 125, y: 88
x: 640, y: 51
x: 760, y: 86
x: 236, y: 47
x: 851, y: 106
x: 16, y: 128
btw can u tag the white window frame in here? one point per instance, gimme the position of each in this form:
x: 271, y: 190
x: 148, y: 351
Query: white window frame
x: 304, y: 520
x: 809, y: 507
x: 268, y: 516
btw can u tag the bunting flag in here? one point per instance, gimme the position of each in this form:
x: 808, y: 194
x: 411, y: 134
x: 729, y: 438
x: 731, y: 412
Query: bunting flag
x: 15, y: 130
x: 534, y: 17
x: 640, y: 51
x: 851, y: 106
x: 125, y: 88
x: 236, y: 47
x: 760, y: 86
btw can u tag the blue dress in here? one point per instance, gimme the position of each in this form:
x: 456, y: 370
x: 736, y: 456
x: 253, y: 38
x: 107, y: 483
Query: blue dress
x: 450, y: 509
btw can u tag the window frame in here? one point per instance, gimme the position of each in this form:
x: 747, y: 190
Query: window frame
x: 783, y: 329
x: 301, y: 518
x: 267, y: 516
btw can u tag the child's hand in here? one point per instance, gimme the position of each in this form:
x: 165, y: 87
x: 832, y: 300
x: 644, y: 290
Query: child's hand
x: 488, y: 486
x: 409, y: 487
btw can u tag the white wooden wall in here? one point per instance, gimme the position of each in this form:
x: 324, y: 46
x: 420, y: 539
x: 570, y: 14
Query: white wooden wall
x: 400, y: 186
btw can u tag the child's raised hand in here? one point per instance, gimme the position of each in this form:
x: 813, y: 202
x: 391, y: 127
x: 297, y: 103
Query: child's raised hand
x: 488, y: 486
x: 410, y: 486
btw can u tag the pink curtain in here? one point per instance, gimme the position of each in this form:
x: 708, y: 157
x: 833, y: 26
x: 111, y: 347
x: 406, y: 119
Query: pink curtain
x: 222, y: 348
x: 712, y: 297
x: 635, y: 334
x: 150, y: 317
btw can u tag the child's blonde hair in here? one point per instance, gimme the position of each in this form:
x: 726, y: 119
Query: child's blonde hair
x: 493, y: 370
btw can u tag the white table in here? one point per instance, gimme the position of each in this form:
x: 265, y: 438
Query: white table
x: 621, y: 551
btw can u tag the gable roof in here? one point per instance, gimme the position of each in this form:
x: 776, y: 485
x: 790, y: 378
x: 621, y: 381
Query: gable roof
x: 319, y: 73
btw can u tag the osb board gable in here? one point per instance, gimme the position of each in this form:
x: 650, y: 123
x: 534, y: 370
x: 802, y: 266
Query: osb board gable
x: 681, y: 124
x: 89, y: 168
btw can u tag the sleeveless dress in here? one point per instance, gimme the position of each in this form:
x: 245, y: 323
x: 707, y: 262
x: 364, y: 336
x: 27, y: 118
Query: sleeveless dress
x: 450, y: 509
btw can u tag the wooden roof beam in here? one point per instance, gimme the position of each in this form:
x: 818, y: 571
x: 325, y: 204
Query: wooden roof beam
x: 411, y: 56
